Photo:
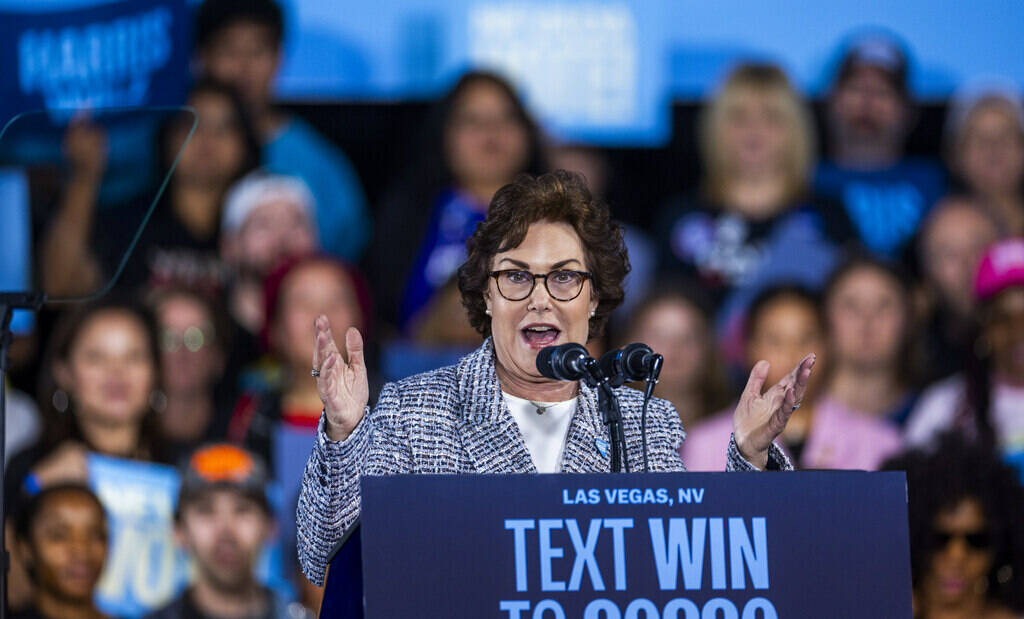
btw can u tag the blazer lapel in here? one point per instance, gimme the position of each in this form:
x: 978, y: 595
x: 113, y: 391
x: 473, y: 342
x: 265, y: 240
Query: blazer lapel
x: 587, y: 437
x: 489, y: 433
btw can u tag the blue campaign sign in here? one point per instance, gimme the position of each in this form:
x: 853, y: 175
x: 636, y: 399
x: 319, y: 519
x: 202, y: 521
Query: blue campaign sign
x: 679, y: 546
x: 102, y: 54
x: 71, y: 57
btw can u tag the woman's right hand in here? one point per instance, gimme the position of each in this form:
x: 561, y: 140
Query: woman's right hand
x: 85, y: 148
x: 343, y: 387
x: 67, y: 464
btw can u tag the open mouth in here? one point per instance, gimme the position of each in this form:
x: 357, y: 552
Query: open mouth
x: 539, y: 336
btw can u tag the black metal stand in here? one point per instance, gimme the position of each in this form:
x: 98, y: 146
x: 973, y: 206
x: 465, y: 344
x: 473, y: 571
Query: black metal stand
x: 9, y: 301
x: 608, y: 404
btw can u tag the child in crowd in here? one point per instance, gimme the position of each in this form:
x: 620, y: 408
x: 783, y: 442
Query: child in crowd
x: 62, y: 542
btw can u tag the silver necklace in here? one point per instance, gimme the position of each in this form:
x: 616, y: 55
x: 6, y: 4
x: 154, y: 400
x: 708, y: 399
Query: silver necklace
x: 540, y: 409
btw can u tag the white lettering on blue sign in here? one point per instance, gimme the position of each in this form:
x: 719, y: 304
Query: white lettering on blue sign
x: 584, y: 554
x: 519, y: 540
x: 618, y: 525
x: 753, y: 555
x: 98, y: 64
x: 684, y: 550
x: 547, y: 554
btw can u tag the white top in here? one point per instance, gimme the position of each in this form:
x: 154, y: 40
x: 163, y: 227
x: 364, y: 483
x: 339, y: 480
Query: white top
x: 544, y: 433
x: 936, y: 411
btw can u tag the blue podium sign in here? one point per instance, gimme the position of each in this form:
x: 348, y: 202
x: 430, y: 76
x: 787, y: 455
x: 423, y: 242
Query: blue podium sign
x: 665, y: 546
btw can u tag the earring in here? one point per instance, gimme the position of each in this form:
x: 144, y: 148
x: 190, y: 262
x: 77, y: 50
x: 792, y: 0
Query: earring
x: 592, y: 312
x: 1005, y: 574
x: 60, y: 400
x: 157, y: 400
x: 487, y: 311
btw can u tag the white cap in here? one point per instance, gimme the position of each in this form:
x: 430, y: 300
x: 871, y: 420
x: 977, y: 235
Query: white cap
x: 259, y: 188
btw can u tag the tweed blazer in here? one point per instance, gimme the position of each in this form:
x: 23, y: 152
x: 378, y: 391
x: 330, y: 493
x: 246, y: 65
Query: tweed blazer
x: 455, y: 420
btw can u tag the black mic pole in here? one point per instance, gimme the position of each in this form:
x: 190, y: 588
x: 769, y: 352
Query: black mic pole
x: 608, y: 404
x: 9, y: 301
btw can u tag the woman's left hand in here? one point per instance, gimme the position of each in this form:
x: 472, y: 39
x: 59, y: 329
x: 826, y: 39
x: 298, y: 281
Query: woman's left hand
x: 760, y: 417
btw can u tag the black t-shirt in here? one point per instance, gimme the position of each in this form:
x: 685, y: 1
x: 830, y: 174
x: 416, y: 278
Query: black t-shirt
x: 183, y: 607
x: 167, y: 251
x: 719, y: 249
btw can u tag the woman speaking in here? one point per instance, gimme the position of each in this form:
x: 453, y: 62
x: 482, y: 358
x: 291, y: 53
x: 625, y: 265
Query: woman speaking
x: 544, y: 268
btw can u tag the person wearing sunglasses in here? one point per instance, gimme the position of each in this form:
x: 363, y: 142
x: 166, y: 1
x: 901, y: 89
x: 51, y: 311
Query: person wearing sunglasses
x: 966, y: 533
x: 544, y: 268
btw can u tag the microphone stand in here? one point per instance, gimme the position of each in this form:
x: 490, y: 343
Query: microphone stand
x: 608, y: 404
x: 9, y: 301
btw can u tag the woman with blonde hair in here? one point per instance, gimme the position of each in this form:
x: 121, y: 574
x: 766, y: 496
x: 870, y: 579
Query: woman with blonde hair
x: 752, y: 222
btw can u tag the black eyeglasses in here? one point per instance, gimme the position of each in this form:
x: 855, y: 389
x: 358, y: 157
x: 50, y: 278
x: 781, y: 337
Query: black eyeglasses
x: 981, y: 540
x: 562, y: 285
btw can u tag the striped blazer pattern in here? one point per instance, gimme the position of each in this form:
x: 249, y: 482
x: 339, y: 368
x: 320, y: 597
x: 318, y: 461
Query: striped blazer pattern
x: 455, y: 420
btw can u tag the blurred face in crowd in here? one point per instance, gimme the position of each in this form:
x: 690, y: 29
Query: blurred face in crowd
x: 990, y: 154
x: 67, y: 546
x: 521, y: 328
x: 273, y: 231
x: 783, y: 333
x: 216, y: 151
x: 867, y: 318
x: 246, y: 56
x: 191, y: 357
x: 311, y: 289
x: 755, y: 134
x: 1003, y: 324
x: 959, y: 568
x: 589, y: 162
x: 485, y: 141
x: 110, y: 371
x: 224, y: 532
x: 953, y: 244
x: 677, y: 330
x: 868, y: 112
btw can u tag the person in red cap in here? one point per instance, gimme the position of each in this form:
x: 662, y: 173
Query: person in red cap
x: 987, y: 400
x: 223, y: 521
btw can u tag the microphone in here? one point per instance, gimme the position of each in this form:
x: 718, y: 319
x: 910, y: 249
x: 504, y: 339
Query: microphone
x: 634, y: 362
x: 638, y: 361
x: 563, y: 362
x: 628, y: 364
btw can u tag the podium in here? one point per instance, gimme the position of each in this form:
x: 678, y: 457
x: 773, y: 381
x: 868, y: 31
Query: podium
x: 637, y: 546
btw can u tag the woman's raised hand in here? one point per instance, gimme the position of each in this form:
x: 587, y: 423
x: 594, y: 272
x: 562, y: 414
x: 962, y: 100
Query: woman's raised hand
x: 760, y: 417
x: 342, y: 386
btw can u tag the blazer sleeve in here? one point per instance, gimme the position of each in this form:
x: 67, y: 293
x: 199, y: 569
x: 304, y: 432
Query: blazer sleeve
x: 734, y: 461
x: 329, y: 501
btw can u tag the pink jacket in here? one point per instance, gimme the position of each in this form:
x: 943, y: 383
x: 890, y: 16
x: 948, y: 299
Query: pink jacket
x: 839, y: 439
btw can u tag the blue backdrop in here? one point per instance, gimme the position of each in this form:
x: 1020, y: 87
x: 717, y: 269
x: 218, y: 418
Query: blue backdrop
x: 604, y: 70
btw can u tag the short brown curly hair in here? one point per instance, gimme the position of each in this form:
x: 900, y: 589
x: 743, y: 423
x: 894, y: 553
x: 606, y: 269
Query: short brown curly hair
x: 558, y: 196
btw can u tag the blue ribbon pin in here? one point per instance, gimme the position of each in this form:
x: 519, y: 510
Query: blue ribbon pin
x: 602, y: 446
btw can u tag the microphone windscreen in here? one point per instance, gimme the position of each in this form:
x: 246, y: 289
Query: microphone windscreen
x: 633, y: 361
x: 561, y: 362
x: 610, y: 367
x: 544, y: 365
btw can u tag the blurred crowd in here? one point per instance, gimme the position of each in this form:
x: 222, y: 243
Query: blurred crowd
x: 904, y: 274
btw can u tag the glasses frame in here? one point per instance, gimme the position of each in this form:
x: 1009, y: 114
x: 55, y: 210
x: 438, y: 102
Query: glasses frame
x: 533, y: 284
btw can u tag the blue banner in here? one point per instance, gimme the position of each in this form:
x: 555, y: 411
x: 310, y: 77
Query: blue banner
x: 145, y: 568
x: 680, y: 546
x: 108, y: 55
x: 78, y: 57
x: 16, y: 242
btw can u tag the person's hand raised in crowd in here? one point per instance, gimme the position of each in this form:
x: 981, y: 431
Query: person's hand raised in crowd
x: 343, y: 386
x: 85, y: 148
x: 761, y: 417
x: 67, y: 464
